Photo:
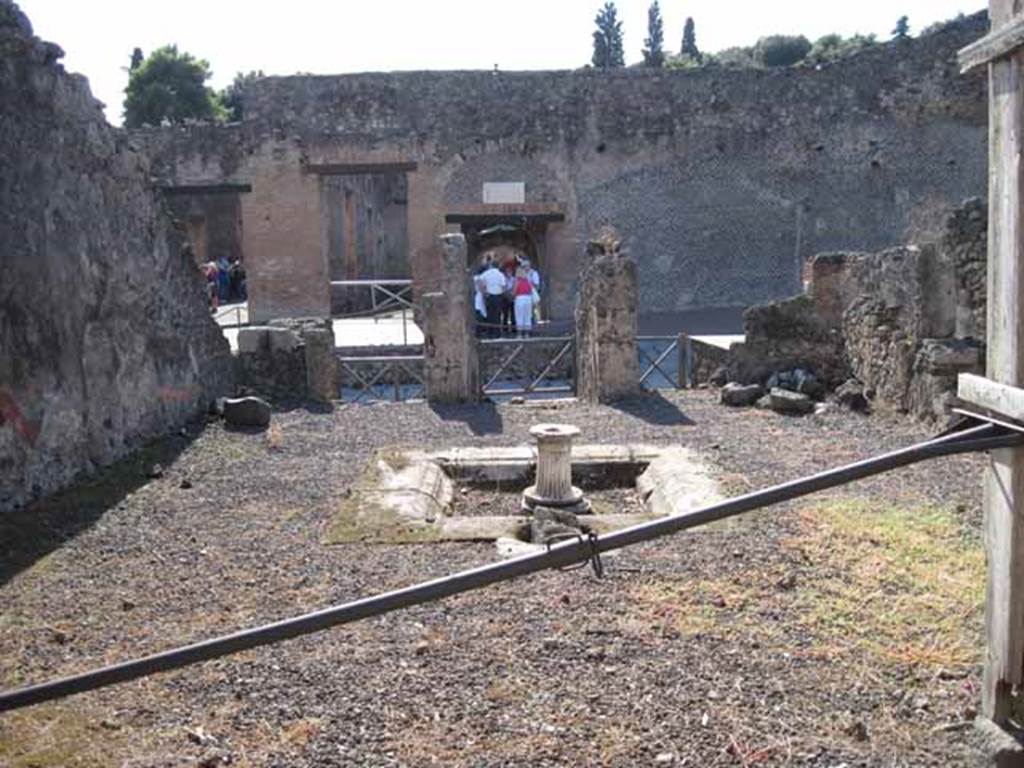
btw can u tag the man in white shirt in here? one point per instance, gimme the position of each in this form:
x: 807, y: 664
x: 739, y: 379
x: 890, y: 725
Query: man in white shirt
x: 493, y: 283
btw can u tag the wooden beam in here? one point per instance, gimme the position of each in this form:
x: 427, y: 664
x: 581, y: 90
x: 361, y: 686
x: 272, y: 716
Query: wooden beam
x: 1004, y: 483
x: 992, y: 396
x: 990, y: 48
x: 354, y: 169
x: 205, y: 189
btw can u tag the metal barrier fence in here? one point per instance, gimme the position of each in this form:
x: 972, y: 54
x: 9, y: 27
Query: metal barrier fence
x: 393, y: 378
x: 524, y: 366
x: 658, y: 368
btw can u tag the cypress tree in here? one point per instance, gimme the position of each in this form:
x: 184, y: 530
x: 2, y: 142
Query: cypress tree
x: 690, y: 48
x: 608, y: 52
x: 654, y: 55
x: 902, y: 31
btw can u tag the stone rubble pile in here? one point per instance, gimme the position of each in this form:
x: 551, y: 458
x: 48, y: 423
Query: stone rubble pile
x: 896, y: 326
x: 796, y: 391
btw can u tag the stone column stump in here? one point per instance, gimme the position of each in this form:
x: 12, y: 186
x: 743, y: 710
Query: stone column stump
x: 451, y: 372
x: 607, y: 365
x: 321, y: 365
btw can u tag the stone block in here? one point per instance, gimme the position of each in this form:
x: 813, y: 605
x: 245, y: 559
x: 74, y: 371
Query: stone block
x: 996, y: 746
x: 949, y: 356
x: 740, y: 396
x: 282, y: 339
x: 253, y: 340
x: 247, y: 412
x: 784, y: 401
x: 321, y: 365
x: 550, y: 525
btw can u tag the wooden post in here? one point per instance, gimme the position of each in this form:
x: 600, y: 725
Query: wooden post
x: 1003, y: 53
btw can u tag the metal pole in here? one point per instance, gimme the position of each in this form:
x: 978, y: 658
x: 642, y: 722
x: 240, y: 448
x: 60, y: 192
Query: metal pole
x: 983, y: 438
x: 685, y: 351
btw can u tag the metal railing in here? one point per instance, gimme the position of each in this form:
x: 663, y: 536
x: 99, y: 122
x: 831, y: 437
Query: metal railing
x: 655, y: 353
x: 387, y: 296
x: 501, y: 381
x: 369, y: 377
x: 236, y: 310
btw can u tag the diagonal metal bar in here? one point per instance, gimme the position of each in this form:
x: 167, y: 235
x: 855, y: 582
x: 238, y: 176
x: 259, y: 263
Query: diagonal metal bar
x: 398, y: 297
x: 501, y: 369
x: 656, y: 364
x: 355, y: 374
x: 984, y: 438
x: 550, y: 366
x: 417, y: 377
x: 384, y: 367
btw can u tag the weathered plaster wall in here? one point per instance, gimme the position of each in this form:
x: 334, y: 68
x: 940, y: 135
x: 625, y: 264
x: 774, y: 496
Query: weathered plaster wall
x: 105, y: 337
x: 721, y: 182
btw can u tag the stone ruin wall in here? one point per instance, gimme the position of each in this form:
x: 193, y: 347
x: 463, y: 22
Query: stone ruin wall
x: 105, y: 337
x: 722, y: 182
x: 904, y: 321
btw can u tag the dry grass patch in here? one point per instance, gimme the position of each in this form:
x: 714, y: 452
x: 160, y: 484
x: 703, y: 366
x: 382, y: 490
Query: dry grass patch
x: 60, y: 736
x: 896, y: 584
x: 862, y: 581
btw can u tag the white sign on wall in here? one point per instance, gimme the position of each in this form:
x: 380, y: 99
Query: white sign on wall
x: 504, y: 192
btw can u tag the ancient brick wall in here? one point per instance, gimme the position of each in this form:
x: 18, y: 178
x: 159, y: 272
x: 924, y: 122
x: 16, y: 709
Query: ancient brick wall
x: 721, y: 182
x: 105, y: 337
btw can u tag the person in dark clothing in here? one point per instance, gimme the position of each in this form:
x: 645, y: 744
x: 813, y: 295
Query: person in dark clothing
x: 508, y: 315
x: 236, y: 276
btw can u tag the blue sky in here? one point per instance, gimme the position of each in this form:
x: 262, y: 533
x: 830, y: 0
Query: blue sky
x: 357, y: 35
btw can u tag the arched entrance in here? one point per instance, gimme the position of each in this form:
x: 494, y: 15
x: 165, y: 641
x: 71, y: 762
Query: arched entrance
x: 505, y: 236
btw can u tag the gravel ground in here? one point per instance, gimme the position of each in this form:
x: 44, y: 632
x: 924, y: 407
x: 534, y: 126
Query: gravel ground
x: 555, y: 669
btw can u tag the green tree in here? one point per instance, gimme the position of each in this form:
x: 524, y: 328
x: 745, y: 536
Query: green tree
x: 737, y: 57
x: 231, y: 97
x: 781, y: 50
x: 654, y: 54
x: 137, y: 59
x: 690, y: 48
x: 834, y: 47
x: 608, y: 51
x: 170, y: 86
x: 902, y: 31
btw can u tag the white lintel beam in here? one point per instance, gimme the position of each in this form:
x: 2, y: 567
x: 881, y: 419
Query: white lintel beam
x: 992, y: 396
x: 997, y: 45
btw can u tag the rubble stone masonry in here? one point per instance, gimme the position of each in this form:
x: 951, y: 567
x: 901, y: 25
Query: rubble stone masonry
x: 105, y: 336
